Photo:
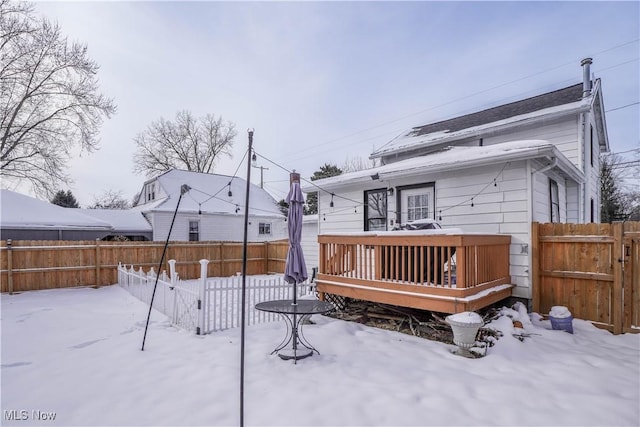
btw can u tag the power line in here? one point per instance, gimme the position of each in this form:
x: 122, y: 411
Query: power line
x: 321, y: 145
x: 624, y: 106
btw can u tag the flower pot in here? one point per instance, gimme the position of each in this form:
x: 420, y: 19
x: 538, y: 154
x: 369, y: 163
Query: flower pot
x: 561, y: 319
x: 465, y: 327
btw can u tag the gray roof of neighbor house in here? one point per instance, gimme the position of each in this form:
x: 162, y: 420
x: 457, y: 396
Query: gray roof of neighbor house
x: 546, y: 100
x: 19, y: 211
x: 22, y: 211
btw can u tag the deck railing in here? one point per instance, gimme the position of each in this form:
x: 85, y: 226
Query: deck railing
x: 454, y: 261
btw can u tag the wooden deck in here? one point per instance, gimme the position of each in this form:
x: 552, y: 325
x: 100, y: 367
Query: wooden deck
x: 447, y: 273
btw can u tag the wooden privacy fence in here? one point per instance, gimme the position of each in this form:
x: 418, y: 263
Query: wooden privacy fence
x: 38, y: 264
x: 593, y: 269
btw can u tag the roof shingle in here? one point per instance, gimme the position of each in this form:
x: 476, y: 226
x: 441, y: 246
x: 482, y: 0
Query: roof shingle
x: 547, y: 100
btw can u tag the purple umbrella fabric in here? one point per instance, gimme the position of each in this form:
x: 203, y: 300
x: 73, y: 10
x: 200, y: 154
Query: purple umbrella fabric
x: 295, y: 270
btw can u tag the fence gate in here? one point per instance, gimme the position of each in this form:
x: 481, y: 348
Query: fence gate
x: 593, y: 269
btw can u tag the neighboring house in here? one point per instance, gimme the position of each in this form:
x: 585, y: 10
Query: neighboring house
x: 126, y: 224
x: 212, y: 209
x: 493, y: 171
x: 27, y: 218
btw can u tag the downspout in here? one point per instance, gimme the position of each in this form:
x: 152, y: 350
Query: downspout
x: 531, y: 179
x: 586, y: 163
x: 582, y: 153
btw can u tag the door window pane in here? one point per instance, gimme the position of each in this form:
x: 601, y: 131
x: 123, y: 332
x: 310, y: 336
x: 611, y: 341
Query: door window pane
x: 376, y: 210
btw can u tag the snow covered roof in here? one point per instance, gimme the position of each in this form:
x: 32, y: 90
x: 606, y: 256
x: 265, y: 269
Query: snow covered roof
x: 21, y: 211
x: 120, y: 219
x: 458, y: 157
x: 209, y: 194
x: 560, y: 102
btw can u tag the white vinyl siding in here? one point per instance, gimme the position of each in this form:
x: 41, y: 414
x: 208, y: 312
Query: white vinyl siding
x: 563, y: 134
x: 216, y: 227
x: 309, y: 243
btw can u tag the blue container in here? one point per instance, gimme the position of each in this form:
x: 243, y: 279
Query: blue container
x: 562, y: 323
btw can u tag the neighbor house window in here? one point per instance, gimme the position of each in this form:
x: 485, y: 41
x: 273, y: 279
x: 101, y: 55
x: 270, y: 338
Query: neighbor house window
x: 375, y: 210
x: 554, y: 200
x: 264, y: 228
x: 194, y: 231
x: 149, y: 192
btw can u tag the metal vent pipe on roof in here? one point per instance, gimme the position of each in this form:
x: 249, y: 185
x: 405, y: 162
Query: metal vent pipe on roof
x: 586, y: 76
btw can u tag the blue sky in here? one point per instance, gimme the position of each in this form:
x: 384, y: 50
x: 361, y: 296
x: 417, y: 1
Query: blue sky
x: 325, y: 81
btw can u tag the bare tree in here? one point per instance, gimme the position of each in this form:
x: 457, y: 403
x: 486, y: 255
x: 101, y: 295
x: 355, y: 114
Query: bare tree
x: 186, y: 143
x: 49, y: 99
x: 110, y: 199
x: 354, y: 164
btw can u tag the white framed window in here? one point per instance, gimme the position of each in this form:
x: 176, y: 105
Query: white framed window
x: 194, y: 231
x: 417, y: 202
x: 264, y: 228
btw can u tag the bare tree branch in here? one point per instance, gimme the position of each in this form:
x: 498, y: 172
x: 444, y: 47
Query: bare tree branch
x: 186, y: 143
x: 49, y: 99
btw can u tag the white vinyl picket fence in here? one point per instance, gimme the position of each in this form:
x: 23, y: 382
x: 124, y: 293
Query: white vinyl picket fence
x: 207, y: 305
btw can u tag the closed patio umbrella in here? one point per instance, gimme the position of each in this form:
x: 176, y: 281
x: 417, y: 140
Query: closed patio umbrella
x: 295, y: 270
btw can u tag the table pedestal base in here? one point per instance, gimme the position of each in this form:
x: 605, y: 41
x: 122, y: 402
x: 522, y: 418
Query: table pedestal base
x: 289, y: 354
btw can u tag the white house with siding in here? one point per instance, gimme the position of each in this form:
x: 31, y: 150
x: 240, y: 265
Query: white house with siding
x: 213, y: 208
x: 493, y: 171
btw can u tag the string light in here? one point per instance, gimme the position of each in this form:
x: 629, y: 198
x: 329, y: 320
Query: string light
x: 331, y: 204
x: 230, y: 194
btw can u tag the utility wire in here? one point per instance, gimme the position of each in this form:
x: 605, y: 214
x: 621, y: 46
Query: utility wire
x: 472, y: 95
x: 624, y: 106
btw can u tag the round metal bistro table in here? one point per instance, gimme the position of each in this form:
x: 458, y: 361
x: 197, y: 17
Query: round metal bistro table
x: 295, y: 316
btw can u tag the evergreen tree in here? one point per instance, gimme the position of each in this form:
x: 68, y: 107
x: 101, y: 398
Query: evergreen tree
x: 325, y: 171
x: 65, y: 199
x: 612, y: 208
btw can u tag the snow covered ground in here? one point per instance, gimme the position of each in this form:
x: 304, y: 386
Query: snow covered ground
x: 73, y: 356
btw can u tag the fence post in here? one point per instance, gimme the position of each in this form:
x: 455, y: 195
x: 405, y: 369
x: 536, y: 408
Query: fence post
x: 9, y: 266
x: 98, y: 263
x: 266, y: 258
x: 618, y: 254
x: 535, y: 267
x: 202, y: 306
x: 172, y: 272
